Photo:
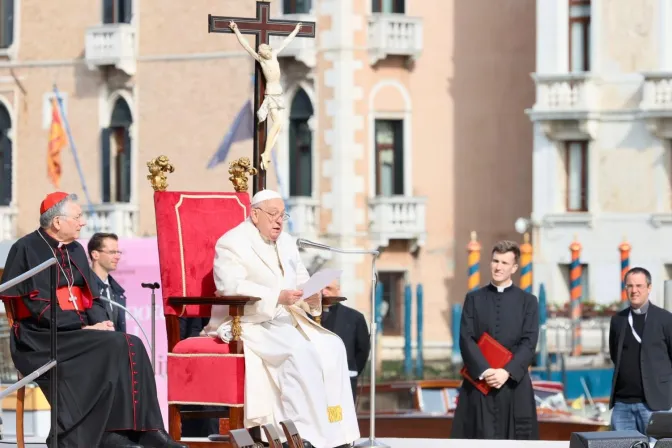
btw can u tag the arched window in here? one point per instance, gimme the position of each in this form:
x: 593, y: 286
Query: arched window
x: 5, y: 157
x: 116, y: 154
x: 300, y: 146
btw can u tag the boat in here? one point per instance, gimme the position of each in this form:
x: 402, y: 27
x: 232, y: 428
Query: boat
x: 424, y: 409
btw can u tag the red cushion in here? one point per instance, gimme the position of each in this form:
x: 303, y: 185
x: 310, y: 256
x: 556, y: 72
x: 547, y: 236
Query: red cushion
x: 188, y: 225
x: 202, y: 345
x: 217, y: 380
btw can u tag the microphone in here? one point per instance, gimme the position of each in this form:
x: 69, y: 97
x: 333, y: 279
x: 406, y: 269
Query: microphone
x: 154, y: 285
x: 305, y: 244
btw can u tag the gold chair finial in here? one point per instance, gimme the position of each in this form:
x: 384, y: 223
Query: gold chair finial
x: 239, y: 170
x: 158, y: 168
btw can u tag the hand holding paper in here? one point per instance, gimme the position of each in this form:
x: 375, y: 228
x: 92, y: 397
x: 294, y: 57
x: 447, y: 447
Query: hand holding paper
x: 318, y: 281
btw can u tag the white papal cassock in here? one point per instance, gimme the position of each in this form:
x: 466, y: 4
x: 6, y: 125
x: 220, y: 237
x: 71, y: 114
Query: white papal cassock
x: 294, y: 368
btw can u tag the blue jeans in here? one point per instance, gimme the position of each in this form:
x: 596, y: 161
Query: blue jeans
x: 631, y: 417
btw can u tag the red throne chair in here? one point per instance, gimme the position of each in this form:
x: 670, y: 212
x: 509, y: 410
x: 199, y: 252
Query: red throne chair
x: 201, y: 370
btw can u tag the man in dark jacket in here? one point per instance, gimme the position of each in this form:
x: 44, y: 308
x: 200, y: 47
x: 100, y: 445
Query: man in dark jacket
x: 104, y: 253
x: 640, y: 346
x: 350, y: 325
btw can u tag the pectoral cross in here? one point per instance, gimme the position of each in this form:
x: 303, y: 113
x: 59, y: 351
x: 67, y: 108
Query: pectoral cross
x: 73, y: 299
x: 262, y: 27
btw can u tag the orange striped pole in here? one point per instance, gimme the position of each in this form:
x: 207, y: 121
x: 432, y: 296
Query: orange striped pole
x: 624, y: 248
x: 473, y: 261
x: 575, y: 296
x: 526, y: 264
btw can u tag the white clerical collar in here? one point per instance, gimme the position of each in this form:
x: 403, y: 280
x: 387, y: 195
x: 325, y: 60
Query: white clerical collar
x: 502, y: 288
x: 642, y: 309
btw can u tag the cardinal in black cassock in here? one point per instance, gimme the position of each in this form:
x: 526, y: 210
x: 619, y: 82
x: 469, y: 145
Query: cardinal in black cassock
x: 106, y: 389
x: 510, y: 316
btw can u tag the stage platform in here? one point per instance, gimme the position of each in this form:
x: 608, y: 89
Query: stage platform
x: 392, y: 443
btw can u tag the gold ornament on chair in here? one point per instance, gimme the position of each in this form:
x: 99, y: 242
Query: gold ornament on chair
x: 158, y: 168
x: 239, y: 170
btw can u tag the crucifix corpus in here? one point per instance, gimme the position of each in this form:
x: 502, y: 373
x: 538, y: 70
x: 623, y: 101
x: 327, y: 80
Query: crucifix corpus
x: 268, y: 93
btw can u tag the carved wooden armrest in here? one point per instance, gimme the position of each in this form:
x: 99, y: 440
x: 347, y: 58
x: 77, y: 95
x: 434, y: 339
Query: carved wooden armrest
x: 328, y: 301
x: 236, y: 306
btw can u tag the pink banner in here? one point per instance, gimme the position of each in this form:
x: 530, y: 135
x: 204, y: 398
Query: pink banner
x: 140, y: 264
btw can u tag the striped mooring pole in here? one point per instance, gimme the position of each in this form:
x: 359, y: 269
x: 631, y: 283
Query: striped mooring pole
x: 575, y: 296
x: 526, y: 264
x: 473, y: 260
x: 624, y: 248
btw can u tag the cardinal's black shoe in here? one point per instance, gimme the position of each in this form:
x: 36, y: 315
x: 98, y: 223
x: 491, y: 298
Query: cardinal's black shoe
x: 158, y: 439
x: 116, y: 440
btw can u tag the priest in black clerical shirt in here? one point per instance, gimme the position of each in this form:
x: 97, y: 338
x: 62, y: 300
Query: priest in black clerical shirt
x: 106, y: 388
x: 640, y: 346
x: 511, y: 316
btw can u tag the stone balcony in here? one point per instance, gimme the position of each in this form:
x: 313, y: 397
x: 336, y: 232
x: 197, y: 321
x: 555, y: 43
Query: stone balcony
x: 398, y: 218
x: 8, y: 217
x: 565, y: 105
x: 111, y: 45
x: 121, y: 219
x: 656, y: 105
x: 304, y: 221
x: 301, y: 48
x: 394, y: 35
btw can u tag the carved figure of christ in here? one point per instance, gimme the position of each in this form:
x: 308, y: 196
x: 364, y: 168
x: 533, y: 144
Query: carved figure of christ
x: 262, y: 27
x: 273, y: 103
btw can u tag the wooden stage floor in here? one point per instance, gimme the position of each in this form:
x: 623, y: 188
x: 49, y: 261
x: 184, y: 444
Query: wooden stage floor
x: 391, y: 443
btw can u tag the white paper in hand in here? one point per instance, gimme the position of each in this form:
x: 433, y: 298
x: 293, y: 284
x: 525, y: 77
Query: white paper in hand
x: 318, y: 281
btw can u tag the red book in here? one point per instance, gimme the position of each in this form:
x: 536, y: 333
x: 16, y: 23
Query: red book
x: 495, y: 354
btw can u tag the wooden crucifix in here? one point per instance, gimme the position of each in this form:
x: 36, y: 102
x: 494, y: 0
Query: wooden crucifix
x: 268, y: 93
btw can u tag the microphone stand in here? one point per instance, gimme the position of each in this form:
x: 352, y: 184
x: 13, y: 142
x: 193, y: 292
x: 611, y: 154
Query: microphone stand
x: 153, y: 286
x: 371, y: 442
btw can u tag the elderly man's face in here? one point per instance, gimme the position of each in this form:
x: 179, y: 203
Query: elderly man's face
x: 333, y: 289
x: 70, y: 223
x: 269, y: 218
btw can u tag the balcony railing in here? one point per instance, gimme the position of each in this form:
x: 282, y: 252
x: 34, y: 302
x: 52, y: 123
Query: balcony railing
x: 398, y: 218
x: 657, y: 94
x: 394, y: 35
x: 301, y: 48
x: 8, y: 217
x: 304, y: 216
x: 569, y: 92
x: 121, y: 219
x: 111, y: 44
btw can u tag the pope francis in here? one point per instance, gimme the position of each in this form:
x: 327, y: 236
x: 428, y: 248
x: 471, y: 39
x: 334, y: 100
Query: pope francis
x: 294, y: 368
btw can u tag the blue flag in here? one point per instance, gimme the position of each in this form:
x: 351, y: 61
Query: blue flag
x: 242, y: 129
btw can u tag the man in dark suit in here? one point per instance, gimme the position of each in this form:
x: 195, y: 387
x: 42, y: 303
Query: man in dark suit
x: 640, y: 346
x: 350, y: 325
x: 104, y: 253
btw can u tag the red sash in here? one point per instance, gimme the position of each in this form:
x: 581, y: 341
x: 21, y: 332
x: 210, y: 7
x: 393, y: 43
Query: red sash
x: 63, y: 296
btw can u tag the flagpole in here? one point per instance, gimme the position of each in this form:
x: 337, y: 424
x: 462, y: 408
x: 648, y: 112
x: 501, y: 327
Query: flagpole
x: 59, y: 100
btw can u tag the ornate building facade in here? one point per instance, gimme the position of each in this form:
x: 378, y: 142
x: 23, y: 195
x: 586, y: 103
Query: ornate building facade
x: 602, y: 154
x: 403, y: 131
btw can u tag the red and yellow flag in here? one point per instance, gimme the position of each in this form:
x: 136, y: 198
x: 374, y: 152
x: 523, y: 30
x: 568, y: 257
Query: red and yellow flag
x: 57, y: 141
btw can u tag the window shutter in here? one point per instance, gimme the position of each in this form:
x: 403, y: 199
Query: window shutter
x: 400, y: 6
x: 399, y: 157
x: 108, y: 11
x: 105, y: 165
x: 125, y: 175
x: 127, y: 11
x: 5, y: 170
x: 293, y: 159
x: 8, y: 25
